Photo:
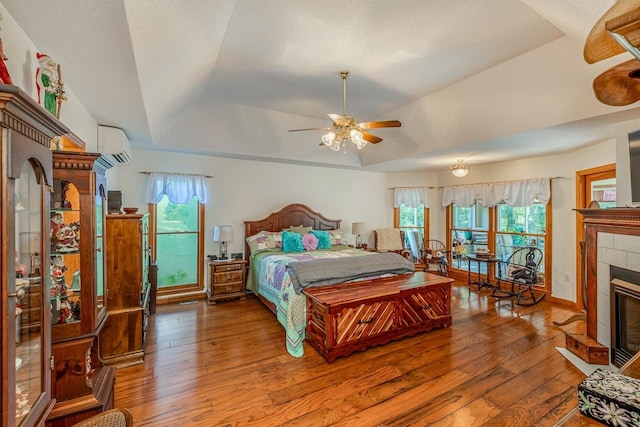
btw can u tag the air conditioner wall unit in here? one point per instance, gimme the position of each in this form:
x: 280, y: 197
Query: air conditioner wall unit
x: 114, y: 144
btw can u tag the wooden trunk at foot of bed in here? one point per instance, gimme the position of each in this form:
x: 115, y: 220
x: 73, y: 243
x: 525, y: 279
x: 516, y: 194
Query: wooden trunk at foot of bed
x: 342, y: 319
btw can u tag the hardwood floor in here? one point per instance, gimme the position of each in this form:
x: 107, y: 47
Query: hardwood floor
x: 226, y: 365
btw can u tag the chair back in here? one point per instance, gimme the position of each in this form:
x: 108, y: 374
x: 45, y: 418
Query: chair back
x: 389, y: 239
x: 120, y: 417
x: 415, y: 244
x: 527, y: 257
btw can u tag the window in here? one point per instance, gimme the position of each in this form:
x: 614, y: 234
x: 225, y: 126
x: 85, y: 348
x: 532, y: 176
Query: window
x: 513, y: 227
x: 519, y: 227
x: 407, y: 219
x: 177, y: 233
x: 469, y: 231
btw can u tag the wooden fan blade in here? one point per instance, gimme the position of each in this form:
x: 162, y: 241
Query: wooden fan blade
x: 382, y: 124
x: 599, y: 44
x: 301, y: 130
x: 619, y: 85
x: 370, y: 138
x: 339, y: 119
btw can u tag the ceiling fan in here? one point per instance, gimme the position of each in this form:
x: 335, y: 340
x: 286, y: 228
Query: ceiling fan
x: 346, y: 128
x: 615, y: 32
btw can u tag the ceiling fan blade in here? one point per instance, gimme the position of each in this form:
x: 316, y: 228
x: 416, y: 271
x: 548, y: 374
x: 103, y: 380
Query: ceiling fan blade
x: 339, y: 119
x: 599, y: 44
x: 619, y: 85
x: 300, y: 130
x: 381, y: 124
x: 369, y: 137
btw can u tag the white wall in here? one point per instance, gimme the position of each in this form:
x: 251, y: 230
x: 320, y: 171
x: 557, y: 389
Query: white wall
x: 22, y: 65
x: 249, y: 190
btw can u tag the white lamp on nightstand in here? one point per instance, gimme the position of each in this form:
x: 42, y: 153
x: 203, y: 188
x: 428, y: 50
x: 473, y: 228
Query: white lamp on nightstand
x: 357, y: 228
x: 223, y: 234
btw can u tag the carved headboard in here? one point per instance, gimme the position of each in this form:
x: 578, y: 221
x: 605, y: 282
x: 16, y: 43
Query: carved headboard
x: 289, y: 216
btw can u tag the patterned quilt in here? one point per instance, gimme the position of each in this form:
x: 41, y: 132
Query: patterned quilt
x: 274, y: 283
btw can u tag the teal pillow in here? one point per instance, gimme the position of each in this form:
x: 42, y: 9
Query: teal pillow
x: 324, y: 241
x: 291, y: 242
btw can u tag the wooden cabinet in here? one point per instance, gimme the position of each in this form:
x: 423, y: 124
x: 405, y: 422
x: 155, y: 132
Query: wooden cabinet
x: 122, y: 339
x: 226, y: 280
x: 81, y: 384
x: 26, y: 175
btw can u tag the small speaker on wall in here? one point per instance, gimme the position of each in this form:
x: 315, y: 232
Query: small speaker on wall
x: 114, y: 202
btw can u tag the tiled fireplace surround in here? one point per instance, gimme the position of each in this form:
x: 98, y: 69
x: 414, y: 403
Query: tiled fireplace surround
x: 612, y: 237
x: 619, y: 250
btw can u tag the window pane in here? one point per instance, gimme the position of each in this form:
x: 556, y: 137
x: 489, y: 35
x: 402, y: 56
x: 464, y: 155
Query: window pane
x: 178, y: 256
x: 177, y: 237
x: 411, y: 217
x: 175, y: 218
x: 462, y: 217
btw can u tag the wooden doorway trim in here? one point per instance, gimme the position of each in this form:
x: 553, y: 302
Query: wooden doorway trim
x: 583, y: 184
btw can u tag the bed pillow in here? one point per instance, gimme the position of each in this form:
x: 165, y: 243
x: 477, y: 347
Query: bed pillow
x: 264, y: 241
x: 337, y: 237
x: 300, y: 229
x: 310, y: 242
x: 291, y: 242
x: 324, y: 241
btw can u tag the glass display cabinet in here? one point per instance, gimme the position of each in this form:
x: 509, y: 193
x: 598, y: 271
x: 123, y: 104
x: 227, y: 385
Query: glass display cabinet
x: 81, y: 385
x: 26, y: 174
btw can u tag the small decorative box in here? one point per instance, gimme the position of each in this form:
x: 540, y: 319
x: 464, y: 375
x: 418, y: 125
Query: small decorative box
x: 610, y: 398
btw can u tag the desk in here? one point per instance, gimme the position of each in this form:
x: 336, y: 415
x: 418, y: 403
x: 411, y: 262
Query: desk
x: 490, y: 261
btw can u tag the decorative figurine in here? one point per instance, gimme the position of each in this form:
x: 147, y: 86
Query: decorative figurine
x: 48, y: 84
x: 5, y: 78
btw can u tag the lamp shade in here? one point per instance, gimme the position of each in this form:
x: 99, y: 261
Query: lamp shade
x: 223, y: 233
x: 357, y: 228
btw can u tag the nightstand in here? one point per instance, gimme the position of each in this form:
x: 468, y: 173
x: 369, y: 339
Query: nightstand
x: 226, y: 280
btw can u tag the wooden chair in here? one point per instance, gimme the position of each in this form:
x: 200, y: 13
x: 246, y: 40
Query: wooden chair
x: 436, y: 257
x: 390, y: 240
x: 520, y: 271
x: 112, y: 418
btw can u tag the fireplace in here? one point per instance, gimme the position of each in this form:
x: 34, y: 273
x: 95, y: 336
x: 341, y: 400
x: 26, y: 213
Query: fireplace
x: 612, y: 241
x: 625, y: 314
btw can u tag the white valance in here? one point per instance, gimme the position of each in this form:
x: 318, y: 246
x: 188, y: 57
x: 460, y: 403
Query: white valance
x: 411, y: 197
x: 513, y: 193
x: 179, y: 188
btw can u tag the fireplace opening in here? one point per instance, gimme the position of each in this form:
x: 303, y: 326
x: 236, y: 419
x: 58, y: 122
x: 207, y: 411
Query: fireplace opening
x: 625, y: 314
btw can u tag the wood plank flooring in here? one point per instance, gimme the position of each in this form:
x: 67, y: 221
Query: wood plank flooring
x: 227, y: 365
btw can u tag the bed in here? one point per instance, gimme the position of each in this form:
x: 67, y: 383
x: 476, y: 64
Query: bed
x: 268, y: 276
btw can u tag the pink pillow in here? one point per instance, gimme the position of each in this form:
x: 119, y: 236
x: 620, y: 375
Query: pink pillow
x: 310, y: 242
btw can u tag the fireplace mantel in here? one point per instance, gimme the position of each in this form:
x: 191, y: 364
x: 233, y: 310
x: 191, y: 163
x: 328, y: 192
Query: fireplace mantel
x: 615, y: 221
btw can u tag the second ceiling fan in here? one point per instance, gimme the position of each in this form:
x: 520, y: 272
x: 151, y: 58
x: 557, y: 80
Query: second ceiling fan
x: 346, y: 128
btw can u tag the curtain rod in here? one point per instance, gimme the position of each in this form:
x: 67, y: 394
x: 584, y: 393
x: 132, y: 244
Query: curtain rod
x: 176, y: 173
x: 498, y: 182
x: 417, y: 186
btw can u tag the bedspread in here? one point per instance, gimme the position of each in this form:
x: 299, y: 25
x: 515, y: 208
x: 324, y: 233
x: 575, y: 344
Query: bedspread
x: 274, y: 284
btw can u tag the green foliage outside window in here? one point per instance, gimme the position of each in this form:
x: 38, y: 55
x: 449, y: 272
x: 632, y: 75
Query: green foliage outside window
x: 177, y: 243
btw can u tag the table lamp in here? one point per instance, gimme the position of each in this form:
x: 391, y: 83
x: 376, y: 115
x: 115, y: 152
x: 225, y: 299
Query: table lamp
x: 223, y: 234
x: 357, y: 228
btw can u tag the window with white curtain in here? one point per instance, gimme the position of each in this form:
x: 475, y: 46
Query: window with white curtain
x: 501, y: 217
x: 177, y: 217
x: 411, y: 211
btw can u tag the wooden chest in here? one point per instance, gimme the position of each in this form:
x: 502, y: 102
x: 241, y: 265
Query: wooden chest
x: 345, y: 318
x: 587, y: 349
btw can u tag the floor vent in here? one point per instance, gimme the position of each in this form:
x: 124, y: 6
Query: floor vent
x: 191, y: 301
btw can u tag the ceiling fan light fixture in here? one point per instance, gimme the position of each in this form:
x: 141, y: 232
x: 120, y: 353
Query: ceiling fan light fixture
x: 356, y: 138
x: 459, y: 169
x: 328, y: 138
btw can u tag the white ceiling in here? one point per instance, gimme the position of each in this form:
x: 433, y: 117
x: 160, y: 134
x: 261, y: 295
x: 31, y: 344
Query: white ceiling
x: 483, y: 80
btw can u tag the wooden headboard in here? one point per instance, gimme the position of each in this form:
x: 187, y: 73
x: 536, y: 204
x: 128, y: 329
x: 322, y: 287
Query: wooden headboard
x: 289, y: 216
